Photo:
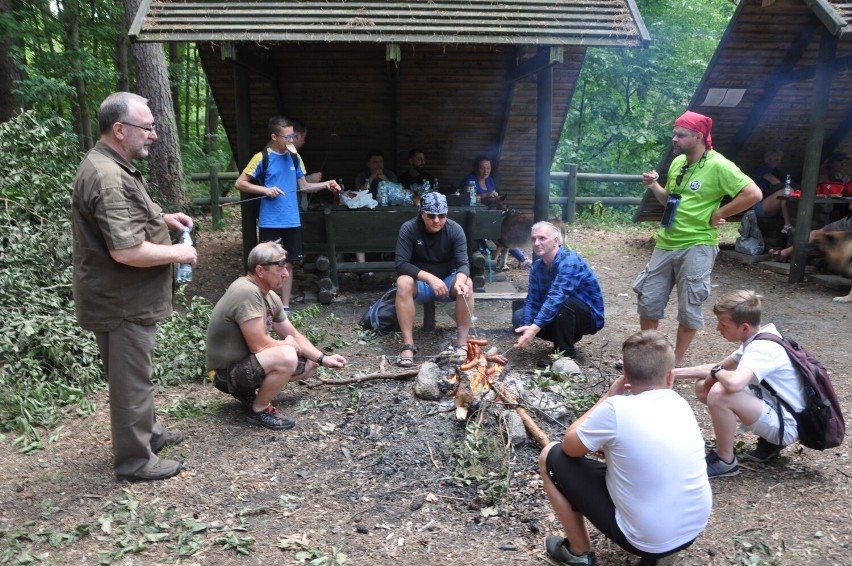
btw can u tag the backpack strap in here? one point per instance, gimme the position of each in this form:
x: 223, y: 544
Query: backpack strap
x: 779, y: 401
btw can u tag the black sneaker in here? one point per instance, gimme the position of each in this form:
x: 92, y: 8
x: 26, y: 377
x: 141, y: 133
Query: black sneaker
x: 270, y: 418
x: 559, y: 550
x: 718, y: 468
x: 764, y: 451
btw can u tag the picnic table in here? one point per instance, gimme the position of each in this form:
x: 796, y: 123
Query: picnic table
x: 329, y: 233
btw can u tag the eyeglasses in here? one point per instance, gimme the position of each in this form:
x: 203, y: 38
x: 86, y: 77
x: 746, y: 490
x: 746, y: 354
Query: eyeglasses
x: 679, y: 178
x: 288, y: 137
x: 436, y: 216
x: 149, y: 131
x: 279, y: 263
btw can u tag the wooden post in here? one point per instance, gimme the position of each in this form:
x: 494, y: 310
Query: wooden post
x: 215, y: 211
x: 813, y: 150
x: 242, y: 103
x: 569, y: 208
x: 543, y: 146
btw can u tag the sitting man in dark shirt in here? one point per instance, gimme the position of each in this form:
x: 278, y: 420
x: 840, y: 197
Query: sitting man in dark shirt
x: 564, y: 300
x: 431, y: 259
x: 415, y: 174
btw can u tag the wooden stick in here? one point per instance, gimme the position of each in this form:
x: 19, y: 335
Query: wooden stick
x: 360, y: 378
x: 532, y: 428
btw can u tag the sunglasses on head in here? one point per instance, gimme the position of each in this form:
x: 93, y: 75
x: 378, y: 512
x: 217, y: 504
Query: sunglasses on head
x: 679, y: 178
x: 431, y: 216
x: 279, y: 263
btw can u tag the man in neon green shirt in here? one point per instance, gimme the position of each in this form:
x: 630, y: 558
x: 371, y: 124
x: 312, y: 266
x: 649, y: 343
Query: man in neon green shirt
x: 688, y: 240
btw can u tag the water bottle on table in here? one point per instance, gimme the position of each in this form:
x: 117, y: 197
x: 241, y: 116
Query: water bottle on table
x: 471, y: 189
x: 787, y: 187
x: 184, y: 270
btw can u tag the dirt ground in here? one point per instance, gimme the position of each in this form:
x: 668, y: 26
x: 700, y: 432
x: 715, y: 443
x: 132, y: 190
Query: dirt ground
x: 368, y: 471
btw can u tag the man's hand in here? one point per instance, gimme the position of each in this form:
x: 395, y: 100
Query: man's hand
x: 438, y: 287
x: 527, y: 334
x: 272, y: 192
x: 649, y: 178
x: 334, y: 361
x: 177, y: 220
x: 618, y: 387
x: 716, y: 219
x: 461, y: 287
x: 290, y: 341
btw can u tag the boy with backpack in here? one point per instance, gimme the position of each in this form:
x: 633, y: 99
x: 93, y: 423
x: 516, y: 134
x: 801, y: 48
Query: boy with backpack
x: 738, y: 388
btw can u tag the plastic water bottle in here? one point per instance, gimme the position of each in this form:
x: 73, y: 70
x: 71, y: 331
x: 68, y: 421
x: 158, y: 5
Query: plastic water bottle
x: 184, y: 270
x: 787, y: 187
x: 436, y: 187
x: 471, y: 189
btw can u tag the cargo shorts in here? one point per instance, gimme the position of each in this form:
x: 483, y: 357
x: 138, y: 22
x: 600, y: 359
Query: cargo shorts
x: 689, y: 270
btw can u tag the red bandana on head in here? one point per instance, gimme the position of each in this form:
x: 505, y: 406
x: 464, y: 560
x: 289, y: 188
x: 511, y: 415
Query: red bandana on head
x: 697, y: 123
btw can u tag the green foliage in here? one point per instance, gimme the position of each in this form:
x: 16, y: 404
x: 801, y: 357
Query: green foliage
x: 626, y: 100
x: 477, y: 456
x: 181, y: 342
x: 46, y: 362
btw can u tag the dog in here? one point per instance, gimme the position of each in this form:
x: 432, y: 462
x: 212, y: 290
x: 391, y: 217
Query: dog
x: 837, y: 246
x: 515, y: 233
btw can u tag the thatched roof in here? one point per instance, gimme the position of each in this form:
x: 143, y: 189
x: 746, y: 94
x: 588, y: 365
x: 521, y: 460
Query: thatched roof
x: 501, y: 22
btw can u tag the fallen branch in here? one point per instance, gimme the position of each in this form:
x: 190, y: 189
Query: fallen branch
x: 532, y: 428
x: 360, y: 378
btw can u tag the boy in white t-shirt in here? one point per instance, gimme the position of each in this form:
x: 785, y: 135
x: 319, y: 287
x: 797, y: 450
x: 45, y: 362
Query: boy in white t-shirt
x: 733, y: 389
x: 652, y: 496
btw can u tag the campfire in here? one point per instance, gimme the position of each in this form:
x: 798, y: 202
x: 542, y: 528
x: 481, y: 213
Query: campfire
x: 473, y: 378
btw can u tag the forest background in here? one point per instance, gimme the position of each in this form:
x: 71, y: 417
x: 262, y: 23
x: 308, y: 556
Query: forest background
x: 60, y: 58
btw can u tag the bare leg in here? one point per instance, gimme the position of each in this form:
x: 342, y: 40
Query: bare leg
x: 725, y: 409
x: 648, y: 324
x: 684, y: 339
x: 279, y: 364
x: 464, y: 311
x: 572, y: 522
x: 406, y: 291
x: 287, y: 286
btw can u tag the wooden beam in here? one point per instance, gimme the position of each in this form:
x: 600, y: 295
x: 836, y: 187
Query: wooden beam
x: 771, y: 87
x: 813, y: 150
x: 242, y: 104
x: 543, y: 146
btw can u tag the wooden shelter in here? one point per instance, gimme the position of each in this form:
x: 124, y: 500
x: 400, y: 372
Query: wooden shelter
x: 456, y: 79
x: 781, y: 77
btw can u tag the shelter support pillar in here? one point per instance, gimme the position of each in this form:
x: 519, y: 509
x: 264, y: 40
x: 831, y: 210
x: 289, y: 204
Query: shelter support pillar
x: 543, y: 145
x: 242, y: 103
x: 813, y: 151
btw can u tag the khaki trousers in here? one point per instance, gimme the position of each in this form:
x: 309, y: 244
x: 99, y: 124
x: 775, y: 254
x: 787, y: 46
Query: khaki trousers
x: 127, y: 353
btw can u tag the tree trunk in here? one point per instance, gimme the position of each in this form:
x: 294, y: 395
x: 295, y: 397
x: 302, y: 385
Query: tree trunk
x: 121, y: 62
x: 211, y: 124
x: 9, y: 74
x: 152, y: 82
x: 79, y: 104
x: 174, y: 79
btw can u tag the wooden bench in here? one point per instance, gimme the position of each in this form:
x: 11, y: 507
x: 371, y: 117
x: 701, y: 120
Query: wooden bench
x: 333, y: 231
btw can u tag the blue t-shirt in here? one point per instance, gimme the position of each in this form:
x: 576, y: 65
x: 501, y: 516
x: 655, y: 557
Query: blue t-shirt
x: 283, y: 210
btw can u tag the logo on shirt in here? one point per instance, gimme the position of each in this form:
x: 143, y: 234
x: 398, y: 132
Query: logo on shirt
x: 419, y: 243
x: 695, y: 185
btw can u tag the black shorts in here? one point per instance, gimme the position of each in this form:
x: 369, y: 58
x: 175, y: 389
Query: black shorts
x: 289, y: 238
x: 583, y: 483
x: 240, y: 378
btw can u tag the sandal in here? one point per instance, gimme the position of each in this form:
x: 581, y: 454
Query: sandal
x: 406, y: 361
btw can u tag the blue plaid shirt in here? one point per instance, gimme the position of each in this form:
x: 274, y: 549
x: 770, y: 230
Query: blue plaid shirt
x: 568, y: 276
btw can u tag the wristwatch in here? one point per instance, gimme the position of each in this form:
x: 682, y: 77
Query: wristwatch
x: 716, y: 369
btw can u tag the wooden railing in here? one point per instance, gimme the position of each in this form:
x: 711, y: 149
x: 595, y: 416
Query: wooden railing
x: 568, y: 201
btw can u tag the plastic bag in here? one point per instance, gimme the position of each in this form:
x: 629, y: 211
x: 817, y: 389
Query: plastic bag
x: 397, y: 195
x: 750, y: 241
x: 360, y: 199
